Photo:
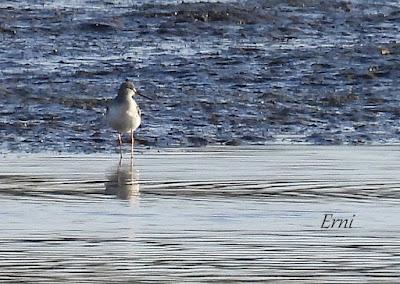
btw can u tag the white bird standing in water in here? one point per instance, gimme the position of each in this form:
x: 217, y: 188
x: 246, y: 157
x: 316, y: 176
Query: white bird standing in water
x: 123, y: 114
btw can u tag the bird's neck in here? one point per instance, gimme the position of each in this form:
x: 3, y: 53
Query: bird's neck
x: 126, y: 92
x: 125, y: 99
x: 125, y: 95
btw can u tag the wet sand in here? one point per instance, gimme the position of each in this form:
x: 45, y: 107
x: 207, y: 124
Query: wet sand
x: 212, y: 215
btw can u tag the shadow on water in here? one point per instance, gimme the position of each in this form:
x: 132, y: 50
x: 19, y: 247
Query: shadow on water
x: 123, y: 180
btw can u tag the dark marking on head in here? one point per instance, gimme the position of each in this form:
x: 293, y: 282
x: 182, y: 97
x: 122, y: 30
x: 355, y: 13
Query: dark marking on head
x: 127, y: 85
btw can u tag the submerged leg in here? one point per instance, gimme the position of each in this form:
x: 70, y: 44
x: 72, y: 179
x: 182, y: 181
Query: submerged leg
x: 119, y: 164
x: 120, y: 144
x: 132, y: 141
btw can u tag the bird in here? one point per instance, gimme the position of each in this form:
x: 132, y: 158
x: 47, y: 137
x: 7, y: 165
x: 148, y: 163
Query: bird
x: 123, y: 113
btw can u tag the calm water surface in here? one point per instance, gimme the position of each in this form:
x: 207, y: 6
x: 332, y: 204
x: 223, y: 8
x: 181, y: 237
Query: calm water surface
x: 217, y: 215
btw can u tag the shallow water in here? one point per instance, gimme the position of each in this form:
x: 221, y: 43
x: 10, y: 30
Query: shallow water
x: 217, y: 215
x: 236, y: 72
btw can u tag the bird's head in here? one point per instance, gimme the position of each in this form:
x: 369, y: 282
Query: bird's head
x: 128, y: 88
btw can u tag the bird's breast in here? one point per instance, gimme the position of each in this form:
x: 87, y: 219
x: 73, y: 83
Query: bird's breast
x: 124, y: 117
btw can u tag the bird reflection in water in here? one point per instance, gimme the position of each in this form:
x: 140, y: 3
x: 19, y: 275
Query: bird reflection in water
x: 123, y: 181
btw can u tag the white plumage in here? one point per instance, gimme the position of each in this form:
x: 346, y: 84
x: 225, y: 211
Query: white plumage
x: 123, y: 114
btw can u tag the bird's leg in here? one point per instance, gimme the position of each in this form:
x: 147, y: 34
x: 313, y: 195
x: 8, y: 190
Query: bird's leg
x: 132, y: 141
x: 119, y: 164
x: 120, y: 144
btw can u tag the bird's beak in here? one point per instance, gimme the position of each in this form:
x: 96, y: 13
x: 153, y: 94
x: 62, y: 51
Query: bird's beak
x: 140, y: 94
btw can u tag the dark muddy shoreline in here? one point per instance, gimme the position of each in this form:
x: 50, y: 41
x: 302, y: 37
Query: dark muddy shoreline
x: 230, y: 73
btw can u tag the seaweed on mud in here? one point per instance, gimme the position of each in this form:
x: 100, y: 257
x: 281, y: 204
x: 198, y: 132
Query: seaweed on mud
x: 339, y: 99
x: 100, y: 27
